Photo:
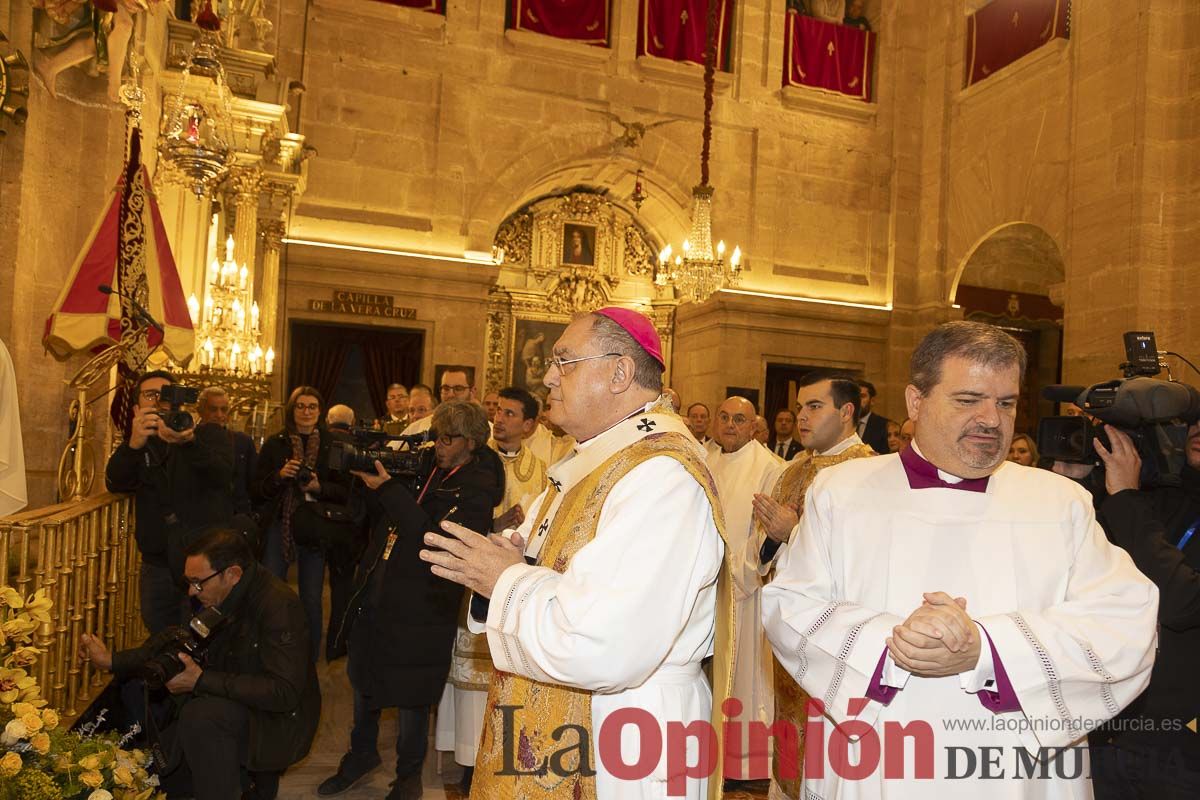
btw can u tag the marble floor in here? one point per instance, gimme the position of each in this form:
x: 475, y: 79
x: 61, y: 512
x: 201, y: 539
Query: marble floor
x: 333, y: 737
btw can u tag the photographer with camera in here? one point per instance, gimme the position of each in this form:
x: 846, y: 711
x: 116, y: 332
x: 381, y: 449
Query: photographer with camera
x: 402, y: 619
x: 247, y: 699
x: 182, y: 480
x: 1148, y: 751
x: 295, y: 489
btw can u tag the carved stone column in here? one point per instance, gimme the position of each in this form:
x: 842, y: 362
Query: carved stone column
x: 244, y: 186
x: 273, y: 230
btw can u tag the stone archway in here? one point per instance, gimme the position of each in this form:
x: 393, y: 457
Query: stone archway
x: 1013, y: 277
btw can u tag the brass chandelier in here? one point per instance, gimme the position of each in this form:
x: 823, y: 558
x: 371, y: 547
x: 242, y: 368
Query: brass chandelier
x: 699, y: 269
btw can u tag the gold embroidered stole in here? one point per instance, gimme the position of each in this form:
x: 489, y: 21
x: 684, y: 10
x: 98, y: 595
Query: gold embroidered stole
x: 471, y: 664
x: 791, y: 702
x: 544, y: 707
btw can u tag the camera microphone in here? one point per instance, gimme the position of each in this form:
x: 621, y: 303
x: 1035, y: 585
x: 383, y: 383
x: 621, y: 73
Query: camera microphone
x: 1062, y: 393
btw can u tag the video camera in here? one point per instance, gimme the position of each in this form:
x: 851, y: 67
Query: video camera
x: 411, y: 461
x: 166, y: 645
x: 1154, y: 413
x: 177, y: 397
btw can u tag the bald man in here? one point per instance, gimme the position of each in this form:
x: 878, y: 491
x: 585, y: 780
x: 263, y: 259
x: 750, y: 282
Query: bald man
x: 743, y: 468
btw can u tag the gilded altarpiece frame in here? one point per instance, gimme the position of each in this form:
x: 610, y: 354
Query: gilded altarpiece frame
x: 539, y: 289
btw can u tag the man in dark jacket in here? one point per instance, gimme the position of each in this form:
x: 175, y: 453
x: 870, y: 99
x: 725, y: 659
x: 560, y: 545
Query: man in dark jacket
x: 183, y: 485
x: 1152, y: 750
x: 402, y: 619
x: 253, y: 706
x: 213, y: 408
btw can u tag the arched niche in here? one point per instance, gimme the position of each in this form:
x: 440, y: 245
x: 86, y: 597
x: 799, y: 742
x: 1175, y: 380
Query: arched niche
x: 566, y: 253
x: 1013, y: 277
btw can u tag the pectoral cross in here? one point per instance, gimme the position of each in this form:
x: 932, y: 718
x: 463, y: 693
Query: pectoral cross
x: 556, y: 484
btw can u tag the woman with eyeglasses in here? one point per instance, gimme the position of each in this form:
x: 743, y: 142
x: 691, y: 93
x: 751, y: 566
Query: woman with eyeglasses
x: 402, y: 618
x: 293, y: 471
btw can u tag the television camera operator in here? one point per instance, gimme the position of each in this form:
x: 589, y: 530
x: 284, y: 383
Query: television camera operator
x: 402, y: 619
x: 1149, y: 751
x: 182, y: 479
x: 246, y: 699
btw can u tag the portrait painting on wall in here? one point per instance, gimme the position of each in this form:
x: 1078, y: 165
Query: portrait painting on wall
x: 579, y: 244
x: 533, y: 344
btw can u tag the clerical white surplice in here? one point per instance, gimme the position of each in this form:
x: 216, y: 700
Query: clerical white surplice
x: 1070, y: 620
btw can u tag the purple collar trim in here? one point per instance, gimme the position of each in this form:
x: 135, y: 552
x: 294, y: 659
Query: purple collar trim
x: 923, y: 475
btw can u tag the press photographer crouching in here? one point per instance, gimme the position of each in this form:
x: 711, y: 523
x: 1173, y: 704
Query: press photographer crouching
x: 402, y: 619
x: 182, y: 480
x: 1149, y: 751
x: 247, y: 700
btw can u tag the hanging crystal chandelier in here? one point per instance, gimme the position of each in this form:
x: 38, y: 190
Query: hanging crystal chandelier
x: 699, y: 269
x: 227, y: 323
x: 195, y: 144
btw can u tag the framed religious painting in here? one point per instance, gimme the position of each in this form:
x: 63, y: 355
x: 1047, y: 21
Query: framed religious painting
x: 531, y: 348
x: 579, y: 244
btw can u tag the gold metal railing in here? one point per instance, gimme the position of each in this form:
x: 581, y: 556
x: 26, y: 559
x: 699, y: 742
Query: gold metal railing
x: 84, y: 555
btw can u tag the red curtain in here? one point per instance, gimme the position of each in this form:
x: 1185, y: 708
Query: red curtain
x: 581, y: 20
x: 435, y: 6
x: 677, y: 29
x: 828, y: 56
x: 316, y: 360
x: 1004, y: 30
x: 388, y: 360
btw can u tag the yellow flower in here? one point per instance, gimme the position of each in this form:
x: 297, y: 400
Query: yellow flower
x: 21, y: 709
x: 40, y: 742
x: 100, y: 794
x: 10, y: 765
x: 38, y: 607
x: 33, y: 722
x: 122, y: 776
x: 23, y: 656
x: 19, y: 627
x: 91, y: 779
x: 50, y: 718
x: 90, y: 763
x: 10, y: 597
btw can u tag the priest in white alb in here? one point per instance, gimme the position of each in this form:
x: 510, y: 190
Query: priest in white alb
x: 743, y: 467
x: 969, y: 601
x: 827, y: 408
x: 611, y: 593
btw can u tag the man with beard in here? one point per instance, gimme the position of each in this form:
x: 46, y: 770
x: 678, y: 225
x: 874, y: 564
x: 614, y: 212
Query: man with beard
x: 944, y: 586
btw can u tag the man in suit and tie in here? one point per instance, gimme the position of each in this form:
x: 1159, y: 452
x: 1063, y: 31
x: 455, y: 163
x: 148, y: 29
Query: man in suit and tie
x: 782, y: 442
x: 872, y: 428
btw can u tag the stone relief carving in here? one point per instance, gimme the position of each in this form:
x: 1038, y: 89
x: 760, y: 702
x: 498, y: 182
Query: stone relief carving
x: 562, y: 255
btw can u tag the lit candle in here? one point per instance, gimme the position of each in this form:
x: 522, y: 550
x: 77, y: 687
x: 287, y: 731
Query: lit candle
x: 229, y: 250
x: 234, y: 353
x: 208, y: 352
x: 270, y: 360
x: 193, y: 308
x: 687, y: 247
x: 665, y: 255
x: 720, y: 248
x: 242, y: 277
x: 208, y: 310
x: 736, y: 258
x: 254, y: 317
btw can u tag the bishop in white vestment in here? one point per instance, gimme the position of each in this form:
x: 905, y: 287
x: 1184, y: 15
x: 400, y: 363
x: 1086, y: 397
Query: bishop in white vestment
x: 743, y: 468
x: 621, y: 602
x: 1029, y: 628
